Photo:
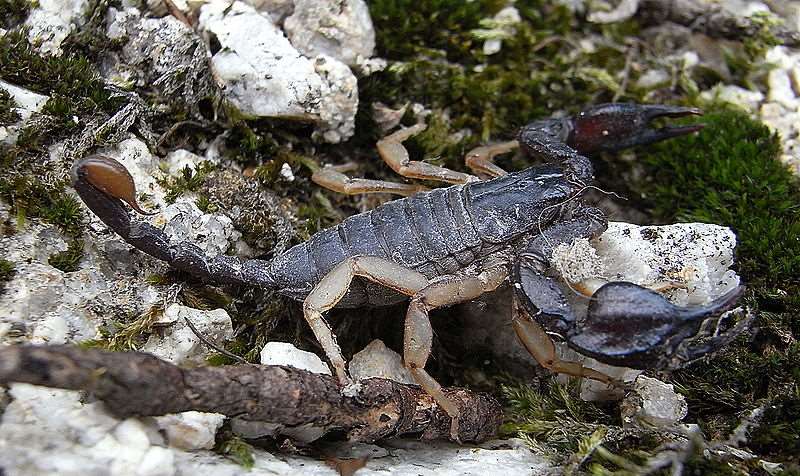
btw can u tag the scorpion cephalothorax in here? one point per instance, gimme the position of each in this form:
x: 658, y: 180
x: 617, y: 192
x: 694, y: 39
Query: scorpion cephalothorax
x: 448, y: 245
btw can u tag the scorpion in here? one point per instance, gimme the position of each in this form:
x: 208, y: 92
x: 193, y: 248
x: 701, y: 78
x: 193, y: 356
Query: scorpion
x: 448, y: 245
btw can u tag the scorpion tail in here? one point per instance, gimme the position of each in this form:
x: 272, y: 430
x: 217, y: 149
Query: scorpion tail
x: 104, y: 184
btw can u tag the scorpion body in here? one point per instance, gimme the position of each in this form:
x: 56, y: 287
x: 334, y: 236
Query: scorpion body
x: 437, y: 233
x: 452, y: 244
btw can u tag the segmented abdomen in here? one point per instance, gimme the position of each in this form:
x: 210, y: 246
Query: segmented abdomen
x: 429, y: 232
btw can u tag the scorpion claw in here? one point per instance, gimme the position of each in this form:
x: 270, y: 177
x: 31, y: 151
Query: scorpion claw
x: 632, y: 326
x: 653, y: 112
x: 619, y: 126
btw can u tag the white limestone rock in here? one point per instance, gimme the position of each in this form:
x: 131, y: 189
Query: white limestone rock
x: 653, y: 78
x: 263, y: 75
x: 177, y: 343
x: 342, y: 30
x: 283, y: 353
x: 653, y: 404
x: 403, y: 458
x: 377, y: 360
x: 780, y: 89
x: 47, y: 305
x: 47, y: 431
x: 277, y: 10
x: 691, y: 259
x: 212, y: 233
x: 191, y: 430
x: 736, y: 95
x: 162, y: 54
x: 26, y: 103
x: 179, y: 159
x: 52, y: 21
x: 339, y: 105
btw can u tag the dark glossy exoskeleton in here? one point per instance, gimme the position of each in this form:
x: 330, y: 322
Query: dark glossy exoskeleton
x: 452, y: 244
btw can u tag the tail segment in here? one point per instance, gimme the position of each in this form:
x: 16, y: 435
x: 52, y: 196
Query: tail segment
x: 103, y: 183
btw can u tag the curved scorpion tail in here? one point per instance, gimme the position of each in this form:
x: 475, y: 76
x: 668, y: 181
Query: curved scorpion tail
x: 103, y: 184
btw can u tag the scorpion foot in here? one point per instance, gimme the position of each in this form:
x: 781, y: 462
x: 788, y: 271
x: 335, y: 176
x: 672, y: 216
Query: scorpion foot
x: 631, y: 326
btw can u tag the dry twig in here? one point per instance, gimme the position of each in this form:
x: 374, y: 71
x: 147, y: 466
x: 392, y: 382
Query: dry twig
x: 139, y: 384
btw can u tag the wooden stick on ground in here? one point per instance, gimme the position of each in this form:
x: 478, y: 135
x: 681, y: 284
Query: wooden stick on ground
x: 139, y: 384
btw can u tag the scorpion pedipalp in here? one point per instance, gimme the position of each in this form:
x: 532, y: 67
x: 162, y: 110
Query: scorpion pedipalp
x: 613, y: 127
x: 633, y: 326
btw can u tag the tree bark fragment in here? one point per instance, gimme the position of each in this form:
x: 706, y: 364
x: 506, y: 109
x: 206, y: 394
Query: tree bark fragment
x: 139, y: 384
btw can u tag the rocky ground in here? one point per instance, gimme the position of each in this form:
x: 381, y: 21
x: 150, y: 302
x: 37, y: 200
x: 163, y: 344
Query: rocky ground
x: 222, y: 110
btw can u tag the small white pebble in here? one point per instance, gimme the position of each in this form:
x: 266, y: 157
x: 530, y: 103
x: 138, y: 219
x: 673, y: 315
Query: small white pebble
x: 286, y: 172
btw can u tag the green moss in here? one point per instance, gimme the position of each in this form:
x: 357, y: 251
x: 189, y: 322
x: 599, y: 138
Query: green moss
x: 237, y: 450
x: 90, y: 40
x: 7, y: 270
x: 13, y: 12
x: 8, y: 115
x: 404, y: 27
x: 68, y: 260
x: 68, y: 76
x: 34, y: 197
x: 32, y: 188
x: 189, y: 180
x: 762, y: 38
x: 440, y: 63
x: 778, y: 433
x: 131, y: 335
x: 552, y: 417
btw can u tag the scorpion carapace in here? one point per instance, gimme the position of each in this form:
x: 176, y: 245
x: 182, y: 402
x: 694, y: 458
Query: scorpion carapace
x: 448, y: 245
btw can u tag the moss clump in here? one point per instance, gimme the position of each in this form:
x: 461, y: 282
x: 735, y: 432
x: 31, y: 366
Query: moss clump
x: 237, y: 450
x: 404, y: 27
x: 7, y: 270
x: 13, y: 12
x: 189, y: 180
x: 131, y: 335
x: 33, y: 197
x: 8, y: 115
x: 33, y: 187
x: 779, y: 431
x: 441, y: 64
x: 552, y: 417
x: 68, y: 76
x: 68, y: 260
